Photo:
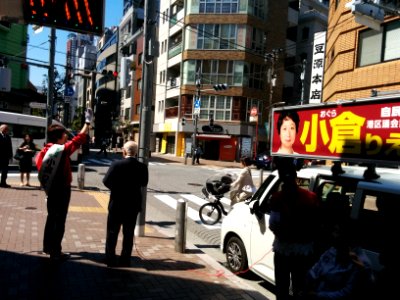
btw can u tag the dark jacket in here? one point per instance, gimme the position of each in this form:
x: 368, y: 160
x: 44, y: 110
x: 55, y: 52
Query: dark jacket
x: 125, y: 178
x: 6, y: 152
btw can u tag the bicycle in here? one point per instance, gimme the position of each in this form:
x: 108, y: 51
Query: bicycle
x: 210, y: 213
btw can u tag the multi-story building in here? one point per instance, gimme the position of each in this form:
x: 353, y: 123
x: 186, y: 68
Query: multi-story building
x: 131, y: 49
x: 312, y: 21
x: 16, y: 91
x: 360, y: 61
x: 209, y: 42
x: 77, y: 59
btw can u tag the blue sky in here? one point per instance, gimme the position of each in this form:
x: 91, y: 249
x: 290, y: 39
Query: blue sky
x: 38, y: 45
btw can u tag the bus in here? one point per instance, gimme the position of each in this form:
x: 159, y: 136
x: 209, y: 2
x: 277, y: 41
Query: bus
x: 21, y: 124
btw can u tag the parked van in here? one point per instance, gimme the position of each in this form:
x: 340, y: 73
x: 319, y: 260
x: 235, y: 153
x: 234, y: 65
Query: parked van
x: 247, y: 241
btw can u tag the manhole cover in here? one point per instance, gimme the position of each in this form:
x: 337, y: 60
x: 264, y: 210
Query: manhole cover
x: 30, y: 208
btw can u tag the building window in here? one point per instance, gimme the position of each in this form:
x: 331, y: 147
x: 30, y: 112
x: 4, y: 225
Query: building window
x: 376, y: 47
x: 216, y: 36
x: 216, y: 71
x: 218, y: 6
x: 256, y: 77
x: 220, y: 107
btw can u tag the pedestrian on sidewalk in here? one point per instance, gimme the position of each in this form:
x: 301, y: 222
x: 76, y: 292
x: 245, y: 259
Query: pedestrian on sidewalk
x: 197, y: 153
x: 125, y: 178
x: 103, y: 146
x: 6, y: 153
x: 27, y: 151
x: 55, y: 177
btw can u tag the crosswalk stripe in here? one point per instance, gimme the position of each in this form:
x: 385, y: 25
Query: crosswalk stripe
x: 195, y: 199
x: 200, y: 201
x: 191, y: 213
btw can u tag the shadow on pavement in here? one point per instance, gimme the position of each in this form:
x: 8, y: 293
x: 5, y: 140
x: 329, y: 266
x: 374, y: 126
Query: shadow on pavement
x: 26, y: 276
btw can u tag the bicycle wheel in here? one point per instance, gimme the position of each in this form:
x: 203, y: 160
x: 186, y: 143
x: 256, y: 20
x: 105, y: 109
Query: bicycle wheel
x: 209, y: 213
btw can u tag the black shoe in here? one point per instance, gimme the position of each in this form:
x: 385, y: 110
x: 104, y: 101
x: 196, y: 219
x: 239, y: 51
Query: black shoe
x: 60, y: 257
x: 124, y: 262
x: 5, y: 185
x: 111, y: 262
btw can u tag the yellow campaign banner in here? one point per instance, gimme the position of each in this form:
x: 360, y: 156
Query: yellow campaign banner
x: 359, y: 131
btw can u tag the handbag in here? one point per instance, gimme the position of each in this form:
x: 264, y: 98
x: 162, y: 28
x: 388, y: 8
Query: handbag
x: 17, y: 155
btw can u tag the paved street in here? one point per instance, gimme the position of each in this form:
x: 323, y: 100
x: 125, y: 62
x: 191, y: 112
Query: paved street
x: 157, y: 272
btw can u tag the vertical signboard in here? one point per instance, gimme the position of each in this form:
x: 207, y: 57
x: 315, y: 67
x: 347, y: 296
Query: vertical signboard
x: 317, y: 67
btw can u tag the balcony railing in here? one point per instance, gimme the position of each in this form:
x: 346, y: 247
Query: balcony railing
x: 175, y: 50
x: 174, y: 83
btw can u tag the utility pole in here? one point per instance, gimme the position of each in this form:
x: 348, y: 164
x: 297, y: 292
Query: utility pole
x: 50, y: 88
x: 196, y: 113
x: 149, y: 50
x: 272, y: 57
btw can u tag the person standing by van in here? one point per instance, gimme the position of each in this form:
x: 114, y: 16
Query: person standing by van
x: 294, y: 221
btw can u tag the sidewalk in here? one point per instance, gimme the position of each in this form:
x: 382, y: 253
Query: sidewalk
x: 157, y: 271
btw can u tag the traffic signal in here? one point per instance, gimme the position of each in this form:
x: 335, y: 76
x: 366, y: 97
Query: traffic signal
x: 220, y: 86
x: 79, y: 16
x: 109, y: 74
x: 183, y: 121
x: 211, y: 121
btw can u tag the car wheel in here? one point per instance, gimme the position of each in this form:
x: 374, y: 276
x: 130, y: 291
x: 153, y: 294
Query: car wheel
x: 236, y: 255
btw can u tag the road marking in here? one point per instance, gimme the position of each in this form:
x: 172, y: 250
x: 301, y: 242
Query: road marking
x: 101, y: 198
x: 191, y: 213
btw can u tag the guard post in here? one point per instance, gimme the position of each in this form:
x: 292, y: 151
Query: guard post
x: 81, y: 176
x: 180, y: 228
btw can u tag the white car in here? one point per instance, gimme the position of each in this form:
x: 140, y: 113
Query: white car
x: 247, y: 241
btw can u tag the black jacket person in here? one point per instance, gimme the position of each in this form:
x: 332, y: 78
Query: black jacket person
x: 125, y: 178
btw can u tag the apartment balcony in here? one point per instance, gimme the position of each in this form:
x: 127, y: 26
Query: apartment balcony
x: 171, y: 112
x: 176, y: 23
x: 175, y: 50
x: 174, y: 83
x: 176, y: 60
x: 173, y: 92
